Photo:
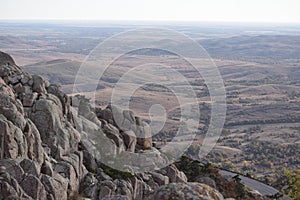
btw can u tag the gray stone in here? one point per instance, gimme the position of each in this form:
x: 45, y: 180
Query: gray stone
x: 174, y: 174
x: 46, y: 168
x: 85, y: 110
x: 106, y: 114
x: 126, y: 121
x: 10, y: 189
x: 207, y: 181
x: 30, y: 82
x: 113, y: 133
x: 56, y: 186
x: 39, y: 84
x: 117, y: 197
x: 30, y: 167
x: 104, y: 192
x: 144, y: 136
x: 34, y: 142
x: 159, y: 178
x: 123, y: 188
x: 89, y: 161
x: 14, y: 79
x: 29, y: 99
x: 12, y: 110
x: 60, y: 136
x: 64, y: 99
x: 5, y: 89
x: 75, y: 101
x: 6, y: 60
x: 29, y: 182
x: 19, y: 88
x: 138, y: 188
x: 182, y: 191
x: 110, y: 184
x: 88, y: 186
x: 8, y: 144
x: 76, y: 160
x: 25, y: 79
x: 129, y: 140
x: 67, y: 171
x: 13, y: 168
x: 101, y: 175
x: 21, y: 142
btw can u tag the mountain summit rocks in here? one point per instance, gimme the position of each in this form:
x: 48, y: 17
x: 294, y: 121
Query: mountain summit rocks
x: 48, y: 139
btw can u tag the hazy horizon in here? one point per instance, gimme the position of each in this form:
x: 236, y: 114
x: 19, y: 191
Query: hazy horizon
x: 232, y: 11
x: 148, y: 21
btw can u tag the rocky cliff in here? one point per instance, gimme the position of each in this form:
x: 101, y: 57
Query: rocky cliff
x: 47, y: 149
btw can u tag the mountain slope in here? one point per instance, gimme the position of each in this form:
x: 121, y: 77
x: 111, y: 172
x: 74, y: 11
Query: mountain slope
x: 53, y: 146
x: 45, y: 146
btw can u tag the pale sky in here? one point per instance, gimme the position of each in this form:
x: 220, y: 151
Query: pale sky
x: 177, y: 10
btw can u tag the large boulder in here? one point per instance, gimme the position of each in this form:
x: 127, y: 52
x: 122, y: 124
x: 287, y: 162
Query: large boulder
x: 8, y: 68
x: 127, y: 123
x: 174, y: 174
x: 39, y: 84
x: 95, y: 142
x: 13, y: 110
x: 10, y: 189
x: 47, y: 168
x: 67, y: 171
x: 12, y: 141
x: 140, y: 188
x: 28, y: 99
x: 6, y: 59
x: 129, y: 138
x: 159, y: 178
x: 123, y: 188
x: 56, y: 186
x: 33, y: 187
x: 207, y: 181
x: 55, y: 131
x: 186, y: 191
x: 106, y: 189
x: 64, y: 99
x: 85, y: 110
x: 13, y: 168
x: 34, y: 142
x: 88, y: 186
x: 113, y: 133
x: 30, y: 167
x: 5, y: 89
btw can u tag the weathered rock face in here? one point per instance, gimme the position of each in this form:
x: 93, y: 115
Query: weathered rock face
x: 5, y: 59
x: 48, y: 148
x: 39, y: 155
x: 136, y: 132
x: 12, y: 109
x: 9, y: 146
x: 10, y: 189
x: 175, y: 176
x: 55, y: 186
x: 186, y: 191
x: 34, y: 142
x: 58, y: 134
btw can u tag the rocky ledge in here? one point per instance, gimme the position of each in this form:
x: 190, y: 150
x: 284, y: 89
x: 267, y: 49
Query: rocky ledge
x: 47, y: 149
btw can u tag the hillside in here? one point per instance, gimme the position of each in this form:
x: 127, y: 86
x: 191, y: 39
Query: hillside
x: 57, y: 147
x: 61, y: 71
x: 262, y: 119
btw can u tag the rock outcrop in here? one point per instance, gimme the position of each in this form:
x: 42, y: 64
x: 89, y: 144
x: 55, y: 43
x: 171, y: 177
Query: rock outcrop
x: 186, y: 191
x: 48, y: 146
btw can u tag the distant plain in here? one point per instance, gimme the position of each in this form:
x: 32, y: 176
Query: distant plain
x: 259, y: 65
